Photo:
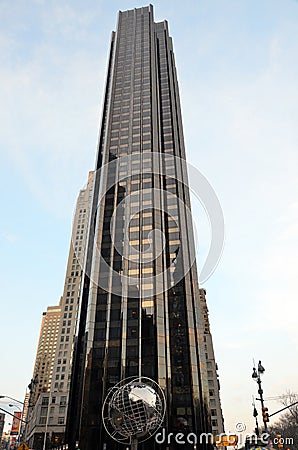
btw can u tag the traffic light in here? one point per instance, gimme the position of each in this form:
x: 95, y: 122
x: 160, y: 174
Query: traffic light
x: 265, y: 414
x: 280, y: 441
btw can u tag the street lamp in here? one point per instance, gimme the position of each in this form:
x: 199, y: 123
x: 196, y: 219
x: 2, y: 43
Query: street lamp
x: 20, y: 421
x: 256, y: 375
x: 14, y: 406
x: 13, y: 399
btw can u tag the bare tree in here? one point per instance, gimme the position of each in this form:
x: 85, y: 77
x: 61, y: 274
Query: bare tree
x: 289, y: 399
x: 287, y: 423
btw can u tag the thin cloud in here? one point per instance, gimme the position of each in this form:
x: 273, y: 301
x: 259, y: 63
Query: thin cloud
x: 9, y: 236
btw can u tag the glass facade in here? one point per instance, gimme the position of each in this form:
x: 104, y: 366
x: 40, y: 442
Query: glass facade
x: 138, y: 315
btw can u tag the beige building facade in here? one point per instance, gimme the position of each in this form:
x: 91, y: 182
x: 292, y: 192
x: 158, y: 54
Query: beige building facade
x: 48, y: 414
x: 217, y: 420
x: 45, y: 355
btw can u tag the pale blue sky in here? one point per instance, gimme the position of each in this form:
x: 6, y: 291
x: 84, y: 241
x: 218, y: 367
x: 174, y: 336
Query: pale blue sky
x: 238, y: 70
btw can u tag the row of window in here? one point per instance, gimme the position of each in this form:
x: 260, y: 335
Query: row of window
x: 61, y: 346
x: 126, y: 71
x: 68, y: 308
x: 141, y: 77
x: 45, y: 400
x: 69, y: 300
x: 44, y: 410
x: 43, y: 420
x: 65, y: 330
x: 136, y: 131
x: 133, y: 48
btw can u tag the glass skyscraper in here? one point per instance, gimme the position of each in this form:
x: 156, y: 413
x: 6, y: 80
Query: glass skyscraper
x: 139, y: 309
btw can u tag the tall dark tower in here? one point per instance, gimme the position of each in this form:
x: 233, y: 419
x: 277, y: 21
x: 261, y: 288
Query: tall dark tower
x: 140, y: 309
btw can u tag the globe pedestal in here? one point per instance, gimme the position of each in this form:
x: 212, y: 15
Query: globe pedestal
x: 133, y: 410
x: 134, y: 444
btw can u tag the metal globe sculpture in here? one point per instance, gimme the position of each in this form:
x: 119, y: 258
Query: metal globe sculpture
x: 133, y: 410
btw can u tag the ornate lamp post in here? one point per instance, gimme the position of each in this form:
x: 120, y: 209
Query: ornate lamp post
x: 256, y: 375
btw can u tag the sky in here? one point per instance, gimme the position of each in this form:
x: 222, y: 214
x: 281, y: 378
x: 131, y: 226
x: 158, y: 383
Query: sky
x: 238, y: 69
